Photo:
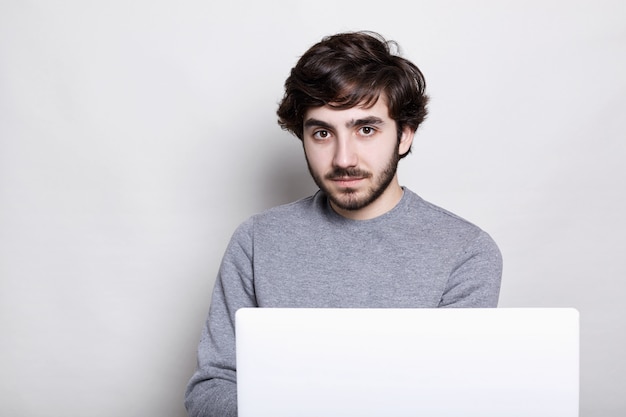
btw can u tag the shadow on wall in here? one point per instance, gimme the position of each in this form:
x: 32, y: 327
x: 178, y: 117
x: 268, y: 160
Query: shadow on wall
x: 284, y: 174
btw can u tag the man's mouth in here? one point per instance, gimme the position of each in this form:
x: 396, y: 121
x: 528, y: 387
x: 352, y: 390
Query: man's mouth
x: 347, y: 178
x: 347, y: 181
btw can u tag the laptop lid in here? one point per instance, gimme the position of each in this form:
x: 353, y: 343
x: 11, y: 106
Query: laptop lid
x: 408, y: 362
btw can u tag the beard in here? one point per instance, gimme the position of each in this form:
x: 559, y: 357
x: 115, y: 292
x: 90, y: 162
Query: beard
x: 349, y: 198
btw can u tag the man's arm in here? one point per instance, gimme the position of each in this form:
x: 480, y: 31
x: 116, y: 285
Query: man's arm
x: 475, y: 281
x: 212, y: 390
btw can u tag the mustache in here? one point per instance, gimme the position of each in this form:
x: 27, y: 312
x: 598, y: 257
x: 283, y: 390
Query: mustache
x: 338, y: 173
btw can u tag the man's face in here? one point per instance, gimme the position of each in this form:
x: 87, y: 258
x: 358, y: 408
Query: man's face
x: 353, y: 155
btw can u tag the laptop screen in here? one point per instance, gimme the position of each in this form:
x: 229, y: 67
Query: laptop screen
x: 408, y: 362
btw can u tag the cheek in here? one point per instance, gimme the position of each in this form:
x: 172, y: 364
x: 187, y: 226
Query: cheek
x: 379, y: 156
x: 313, y: 164
x: 316, y: 156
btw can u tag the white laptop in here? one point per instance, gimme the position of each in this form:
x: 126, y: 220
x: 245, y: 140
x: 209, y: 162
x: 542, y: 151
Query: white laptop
x: 505, y: 362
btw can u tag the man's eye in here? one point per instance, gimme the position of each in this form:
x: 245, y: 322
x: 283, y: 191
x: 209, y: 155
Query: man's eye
x: 321, y: 134
x: 367, y: 130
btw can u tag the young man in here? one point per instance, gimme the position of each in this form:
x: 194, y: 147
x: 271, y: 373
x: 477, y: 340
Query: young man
x: 362, y: 240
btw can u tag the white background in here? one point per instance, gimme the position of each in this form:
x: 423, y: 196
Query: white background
x: 136, y: 135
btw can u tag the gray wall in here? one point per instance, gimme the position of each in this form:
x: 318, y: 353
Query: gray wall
x: 135, y: 136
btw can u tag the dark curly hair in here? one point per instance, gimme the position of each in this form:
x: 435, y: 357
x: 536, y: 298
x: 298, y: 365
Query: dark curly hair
x: 350, y: 69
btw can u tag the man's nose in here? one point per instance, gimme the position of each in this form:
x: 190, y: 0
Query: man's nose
x: 345, y: 153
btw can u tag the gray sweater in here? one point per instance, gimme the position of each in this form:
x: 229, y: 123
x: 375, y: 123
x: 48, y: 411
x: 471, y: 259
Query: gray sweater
x: 303, y: 254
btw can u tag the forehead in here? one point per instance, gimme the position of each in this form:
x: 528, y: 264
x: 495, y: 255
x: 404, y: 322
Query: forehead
x: 333, y: 114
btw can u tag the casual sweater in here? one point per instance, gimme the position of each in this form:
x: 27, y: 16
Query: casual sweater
x: 304, y: 254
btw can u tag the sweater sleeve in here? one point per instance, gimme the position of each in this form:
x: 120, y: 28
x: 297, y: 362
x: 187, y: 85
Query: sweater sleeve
x: 475, y: 279
x: 212, y: 390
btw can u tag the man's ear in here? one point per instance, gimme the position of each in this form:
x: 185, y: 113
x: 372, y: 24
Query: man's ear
x: 406, y: 139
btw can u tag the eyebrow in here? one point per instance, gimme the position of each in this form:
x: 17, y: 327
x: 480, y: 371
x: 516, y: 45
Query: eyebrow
x: 316, y: 123
x: 371, y: 120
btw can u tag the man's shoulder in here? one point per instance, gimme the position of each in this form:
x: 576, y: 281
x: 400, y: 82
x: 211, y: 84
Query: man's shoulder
x: 294, y: 210
x: 437, y: 224
x: 429, y: 213
x: 304, y: 210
